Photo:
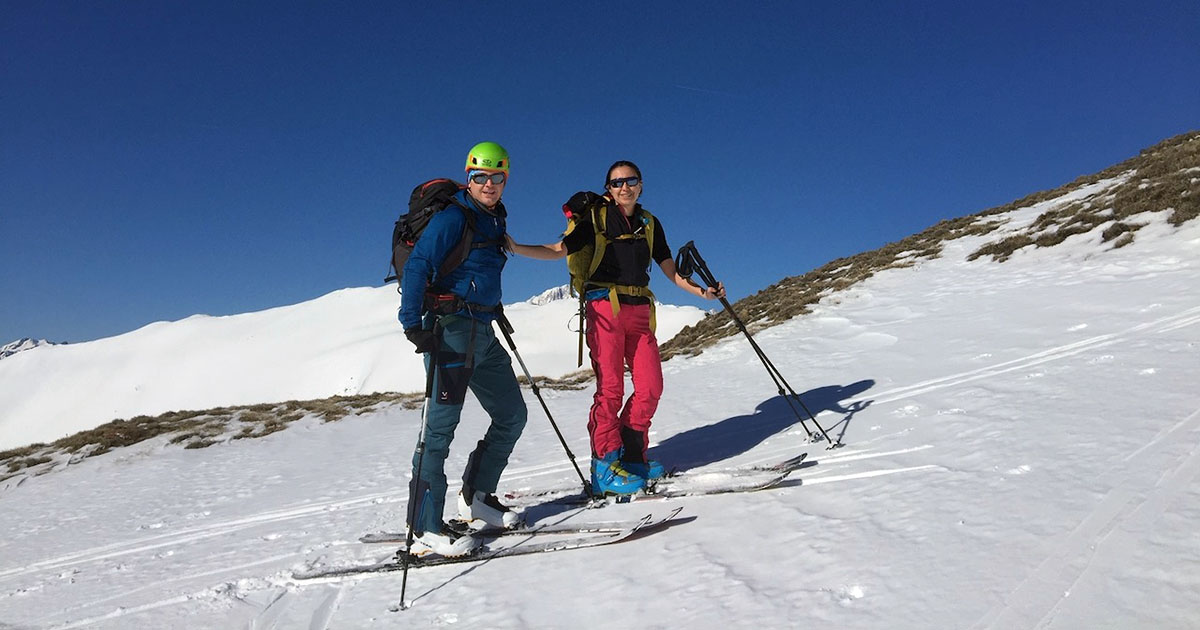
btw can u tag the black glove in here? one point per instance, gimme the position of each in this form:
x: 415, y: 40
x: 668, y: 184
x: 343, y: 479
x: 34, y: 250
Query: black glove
x: 580, y: 202
x: 424, y: 340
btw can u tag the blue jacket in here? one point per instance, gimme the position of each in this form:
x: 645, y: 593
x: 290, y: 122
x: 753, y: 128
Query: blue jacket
x: 476, y: 280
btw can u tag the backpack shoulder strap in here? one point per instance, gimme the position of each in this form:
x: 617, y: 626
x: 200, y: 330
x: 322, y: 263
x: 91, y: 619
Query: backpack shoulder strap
x: 600, y: 227
x: 649, y: 221
x: 459, y: 252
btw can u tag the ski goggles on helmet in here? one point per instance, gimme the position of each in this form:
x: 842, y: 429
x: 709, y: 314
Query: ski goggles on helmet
x: 483, y: 177
x: 624, y: 181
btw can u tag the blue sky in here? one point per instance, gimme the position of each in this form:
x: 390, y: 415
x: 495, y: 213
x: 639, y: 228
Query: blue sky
x: 161, y: 159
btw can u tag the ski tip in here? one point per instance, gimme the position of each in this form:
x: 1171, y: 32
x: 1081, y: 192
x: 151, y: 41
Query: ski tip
x: 650, y: 520
x: 790, y: 464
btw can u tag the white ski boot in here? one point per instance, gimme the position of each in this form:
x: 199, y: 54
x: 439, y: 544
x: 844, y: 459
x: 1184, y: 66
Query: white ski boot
x: 482, y: 511
x: 446, y: 542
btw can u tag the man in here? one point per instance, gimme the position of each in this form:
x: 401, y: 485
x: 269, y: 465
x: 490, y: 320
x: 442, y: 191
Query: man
x: 448, y: 318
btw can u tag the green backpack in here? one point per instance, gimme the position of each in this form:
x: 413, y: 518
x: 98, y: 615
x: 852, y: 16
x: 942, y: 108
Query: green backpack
x: 582, y: 265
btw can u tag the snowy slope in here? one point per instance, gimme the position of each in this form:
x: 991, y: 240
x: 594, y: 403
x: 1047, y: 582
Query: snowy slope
x: 1022, y: 449
x: 346, y: 342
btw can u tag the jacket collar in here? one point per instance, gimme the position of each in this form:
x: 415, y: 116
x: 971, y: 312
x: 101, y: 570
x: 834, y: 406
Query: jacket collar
x: 498, y: 211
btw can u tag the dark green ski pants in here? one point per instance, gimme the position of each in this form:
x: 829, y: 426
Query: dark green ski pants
x: 490, y: 377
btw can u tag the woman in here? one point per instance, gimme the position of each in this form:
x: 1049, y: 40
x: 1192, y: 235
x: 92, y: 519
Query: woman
x: 619, y: 313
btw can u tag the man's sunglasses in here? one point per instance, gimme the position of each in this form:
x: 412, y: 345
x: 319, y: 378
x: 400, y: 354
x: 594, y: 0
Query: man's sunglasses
x: 481, y: 178
x: 624, y: 181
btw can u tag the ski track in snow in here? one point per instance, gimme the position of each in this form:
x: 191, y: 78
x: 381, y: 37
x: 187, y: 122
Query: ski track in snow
x: 190, y: 535
x: 217, y: 529
x: 1126, y: 510
x: 283, y: 601
x: 1165, y: 324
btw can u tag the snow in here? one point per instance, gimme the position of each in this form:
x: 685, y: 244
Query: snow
x: 1022, y: 448
x: 344, y: 343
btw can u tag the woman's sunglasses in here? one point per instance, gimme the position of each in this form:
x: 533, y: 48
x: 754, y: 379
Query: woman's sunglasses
x: 624, y: 181
x: 481, y: 178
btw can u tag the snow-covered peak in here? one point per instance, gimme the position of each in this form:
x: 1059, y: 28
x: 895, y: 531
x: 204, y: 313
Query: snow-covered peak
x: 21, y: 345
x: 551, y: 295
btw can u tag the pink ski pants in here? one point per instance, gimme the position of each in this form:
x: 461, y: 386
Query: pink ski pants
x: 614, y: 342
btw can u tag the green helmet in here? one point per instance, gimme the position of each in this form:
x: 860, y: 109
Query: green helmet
x: 488, y: 155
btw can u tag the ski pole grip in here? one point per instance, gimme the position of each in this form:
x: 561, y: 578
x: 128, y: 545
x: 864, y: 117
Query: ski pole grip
x: 695, y: 264
x: 506, y: 326
x: 684, y: 265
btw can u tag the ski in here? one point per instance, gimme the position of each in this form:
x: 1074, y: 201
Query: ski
x: 742, y: 479
x: 785, y: 466
x: 687, y: 484
x: 531, y: 530
x: 643, y: 525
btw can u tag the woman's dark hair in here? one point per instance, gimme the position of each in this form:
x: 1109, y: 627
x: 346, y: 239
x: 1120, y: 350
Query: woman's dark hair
x: 608, y: 177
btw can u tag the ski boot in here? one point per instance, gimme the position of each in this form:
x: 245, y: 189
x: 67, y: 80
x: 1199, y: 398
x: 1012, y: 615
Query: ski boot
x: 446, y: 542
x: 609, y: 476
x: 482, y: 511
x: 648, y: 470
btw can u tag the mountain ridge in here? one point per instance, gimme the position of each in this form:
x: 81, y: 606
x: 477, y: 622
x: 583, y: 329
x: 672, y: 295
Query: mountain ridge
x: 1162, y: 178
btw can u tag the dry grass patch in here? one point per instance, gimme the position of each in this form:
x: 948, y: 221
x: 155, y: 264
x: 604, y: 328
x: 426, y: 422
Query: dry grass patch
x: 196, y: 429
x: 1163, y: 178
x: 574, y: 381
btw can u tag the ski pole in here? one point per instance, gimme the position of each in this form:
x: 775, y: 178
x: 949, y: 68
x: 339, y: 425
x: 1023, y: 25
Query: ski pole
x: 506, y: 329
x: 776, y: 375
x: 582, y: 320
x: 413, y: 499
x: 698, y: 264
x: 691, y: 262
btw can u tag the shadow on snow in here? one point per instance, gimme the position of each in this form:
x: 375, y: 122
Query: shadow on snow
x: 730, y: 437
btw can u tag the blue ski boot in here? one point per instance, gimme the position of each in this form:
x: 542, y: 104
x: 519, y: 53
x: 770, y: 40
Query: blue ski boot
x: 649, y: 470
x: 609, y: 476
